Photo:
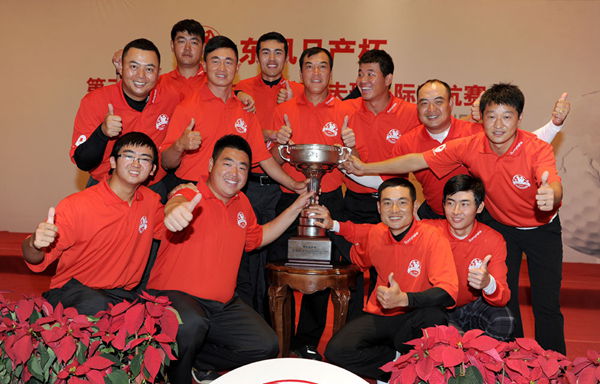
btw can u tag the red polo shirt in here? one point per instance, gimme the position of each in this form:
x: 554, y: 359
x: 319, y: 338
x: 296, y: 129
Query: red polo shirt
x: 314, y: 124
x: 419, y: 140
x: 203, y: 259
x: 214, y: 119
x: 103, y: 241
x: 511, y: 180
x: 420, y: 261
x: 265, y: 96
x: 177, y: 83
x: 153, y: 120
x: 377, y: 133
x: 469, y: 253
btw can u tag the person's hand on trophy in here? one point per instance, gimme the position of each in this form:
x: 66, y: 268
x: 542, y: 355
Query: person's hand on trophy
x: 352, y: 164
x: 301, y: 186
x: 322, y: 214
x: 284, y: 135
x: 304, y: 201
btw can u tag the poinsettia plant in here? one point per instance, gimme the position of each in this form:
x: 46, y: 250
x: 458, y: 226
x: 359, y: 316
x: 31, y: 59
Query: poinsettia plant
x: 128, y: 342
x: 443, y: 355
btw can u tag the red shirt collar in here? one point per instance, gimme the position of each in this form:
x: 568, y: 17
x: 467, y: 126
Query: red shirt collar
x: 328, y: 102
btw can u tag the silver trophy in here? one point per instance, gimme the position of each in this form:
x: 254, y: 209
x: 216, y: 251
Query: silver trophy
x: 311, y: 248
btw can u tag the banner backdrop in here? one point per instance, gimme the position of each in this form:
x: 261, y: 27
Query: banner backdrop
x: 53, y: 52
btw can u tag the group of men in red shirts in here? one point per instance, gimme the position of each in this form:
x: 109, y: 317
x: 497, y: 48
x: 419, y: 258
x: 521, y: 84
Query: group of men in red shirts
x: 197, y: 141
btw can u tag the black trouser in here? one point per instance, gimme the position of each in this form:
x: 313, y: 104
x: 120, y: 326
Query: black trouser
x: 496, y: 322
x: 543, y: 247
x: 217, y: 336
x: 251, y: 282
x: 313, y: 310
x: 425, y: 212
x: 87, y: 301
x: 370, y: 341
x: 361, y: 208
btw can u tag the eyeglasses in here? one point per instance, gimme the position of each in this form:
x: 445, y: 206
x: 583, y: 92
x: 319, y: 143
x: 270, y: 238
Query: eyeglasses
x: 143, y: 161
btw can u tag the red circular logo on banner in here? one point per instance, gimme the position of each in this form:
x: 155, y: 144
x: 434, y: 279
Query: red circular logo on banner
x: 209, y: 33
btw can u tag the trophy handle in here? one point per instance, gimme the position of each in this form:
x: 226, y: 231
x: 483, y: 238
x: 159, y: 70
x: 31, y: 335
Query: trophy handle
x: 283, y: 148
x: 341, y: 151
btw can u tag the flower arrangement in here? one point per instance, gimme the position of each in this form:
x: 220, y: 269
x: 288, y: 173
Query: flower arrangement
x: 129, y: 342
x: 443, y: 355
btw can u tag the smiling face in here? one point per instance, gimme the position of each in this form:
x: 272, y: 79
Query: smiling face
x: 316, y: 74
x: 460, y: 210
x: 228, y: 173
x: 371, y: 81
x: 221, y: 66
x: 187, y: 49
x: 133, y: 164
x: 271, y: 57
x: 140, y: 73
x: 395, y: 207
x: 434, y: 107
x: 500, y: 123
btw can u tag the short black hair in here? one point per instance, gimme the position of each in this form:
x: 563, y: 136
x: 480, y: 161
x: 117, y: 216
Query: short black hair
x: 503, y: 94
x: 190, y: 26
x: 135, y: 139
x: 143, y: 44
x: 309, y: 52
x: 431, y: 81
x: 220, y: 42
x: 272, y: 36
x: 381, y: 57
x: 465, y: 183
x: 231, y: 141
x: 398, y: 182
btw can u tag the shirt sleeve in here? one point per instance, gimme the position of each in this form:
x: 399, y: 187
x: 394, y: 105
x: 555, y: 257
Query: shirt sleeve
x: 545, y: 161
x: 447, y: 157
x: 179, y: 122
x: 254, y: 232
x: 441, y: 269
x: 257, y: 140
x: 358, y: 235
x: 497, y: 268
x: 87, y: 120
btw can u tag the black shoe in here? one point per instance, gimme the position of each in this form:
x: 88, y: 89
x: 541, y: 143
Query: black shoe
x: 308, y: 352
x: 204, y: 377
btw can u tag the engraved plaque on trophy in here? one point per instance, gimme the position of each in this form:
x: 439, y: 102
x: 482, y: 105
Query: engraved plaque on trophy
x: 311, y: 248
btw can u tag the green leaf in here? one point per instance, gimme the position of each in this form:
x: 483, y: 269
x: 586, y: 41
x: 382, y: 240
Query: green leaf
x: 136, y: 364
x: 35, y: 368
x: 111, y: 357
x: 44, y: 355
x: 117, y: 376
x: 80, y: 353
x: 46, y: 367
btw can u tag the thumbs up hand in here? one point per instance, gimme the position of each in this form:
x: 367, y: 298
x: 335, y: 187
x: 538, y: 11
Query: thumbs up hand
x: 112, y: 125
x: 475, y: 112
x: 285, y: 132
x: 479, y: 278
x: 561, y: 110
x: 545, y: 194
x: 391, y: 296
x: 179, y: 212
x: 348, y: 137
x: 46, y: 231
x: 285, y: 93
x: 189, y: 140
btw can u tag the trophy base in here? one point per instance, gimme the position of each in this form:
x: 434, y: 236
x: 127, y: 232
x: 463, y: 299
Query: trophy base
x: 309, y: 252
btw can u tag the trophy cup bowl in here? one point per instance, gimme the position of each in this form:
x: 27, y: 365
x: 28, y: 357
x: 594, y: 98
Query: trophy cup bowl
x: 311, y: 247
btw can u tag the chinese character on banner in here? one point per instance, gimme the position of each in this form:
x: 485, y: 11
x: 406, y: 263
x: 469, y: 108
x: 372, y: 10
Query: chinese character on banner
x: 113, y: 80
x: 455, y: 94
x: 308, y: 43
x: 405, y: 92
x: 337, y: 89
x: 209, y: 33
x: 368, y: 44
x: 95, y: 83
x: 341, y: 46
x: 249, y: 48
x: 291, y: 58
x: 472, y: 92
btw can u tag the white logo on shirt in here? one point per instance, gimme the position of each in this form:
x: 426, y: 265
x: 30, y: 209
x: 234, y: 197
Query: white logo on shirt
x: 521, y: 182
x: 241, y: 220
x: 162, y: 121
x: 393, y: 135
x: 475, y: 264
x: 143, y: 224
x: 241, y: 126
x: 439, y: 149
x: 414, y: 268
x: 80, y: 140
x: 330, y: 129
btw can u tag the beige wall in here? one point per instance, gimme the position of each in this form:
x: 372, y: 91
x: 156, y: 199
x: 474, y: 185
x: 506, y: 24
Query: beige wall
x: 52, y: 47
